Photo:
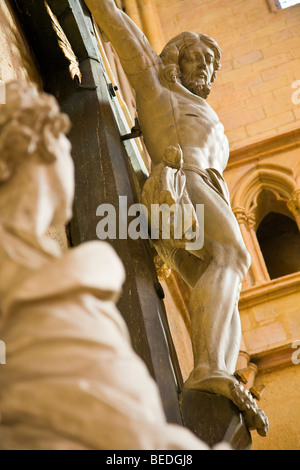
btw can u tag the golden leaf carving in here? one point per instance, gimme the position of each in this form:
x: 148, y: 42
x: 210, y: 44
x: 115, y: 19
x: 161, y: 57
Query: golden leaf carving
x: 65, y: 46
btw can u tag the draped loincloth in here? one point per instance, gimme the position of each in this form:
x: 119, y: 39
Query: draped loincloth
x: 212, y: 178
x: 167, y: 185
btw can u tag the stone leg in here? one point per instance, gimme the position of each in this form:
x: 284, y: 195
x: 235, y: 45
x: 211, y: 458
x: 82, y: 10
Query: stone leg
x: 216, y: 329
x: 214, y: 332
x: 215, y: 273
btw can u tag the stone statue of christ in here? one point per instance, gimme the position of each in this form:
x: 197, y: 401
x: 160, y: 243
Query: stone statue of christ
x: 175, y: 118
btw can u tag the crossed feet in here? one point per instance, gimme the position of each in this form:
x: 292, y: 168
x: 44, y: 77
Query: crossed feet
x: 221, y: 383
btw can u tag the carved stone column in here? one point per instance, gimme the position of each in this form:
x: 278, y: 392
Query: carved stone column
x: 132, y: 10
x: 242, y: 220
x: 246, y: 370
x: 151, y: 24
x: 294, y: 206
x: 259, y: 256
x: 258, y: 272
x: 144, y: 14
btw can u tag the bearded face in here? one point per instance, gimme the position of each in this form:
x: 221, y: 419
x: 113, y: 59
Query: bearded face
x: 196, y: 87
x: 197, y: 69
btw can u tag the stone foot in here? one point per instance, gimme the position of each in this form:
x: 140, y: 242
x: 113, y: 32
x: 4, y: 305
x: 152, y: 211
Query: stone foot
x: 214, y: 419
x: 220, y: 383
x: 255, y: 418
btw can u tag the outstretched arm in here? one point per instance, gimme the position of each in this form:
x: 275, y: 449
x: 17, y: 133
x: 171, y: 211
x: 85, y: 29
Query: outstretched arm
x: 132, y: 47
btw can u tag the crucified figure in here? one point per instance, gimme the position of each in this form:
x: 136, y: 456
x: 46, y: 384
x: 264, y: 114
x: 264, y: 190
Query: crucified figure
x: 179, y: 125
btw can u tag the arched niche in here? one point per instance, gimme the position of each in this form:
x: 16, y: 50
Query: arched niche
x: 276, y: 179
x: 264, y: 189
x: 279, y: 239
x: 266, y: 201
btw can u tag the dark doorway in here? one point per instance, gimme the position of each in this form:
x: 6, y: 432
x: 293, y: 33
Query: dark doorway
x: 279, y: 239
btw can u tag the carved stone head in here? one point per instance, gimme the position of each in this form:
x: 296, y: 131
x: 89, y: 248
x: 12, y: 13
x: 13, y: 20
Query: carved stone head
x: 193, y: 60
x: 36, y: 168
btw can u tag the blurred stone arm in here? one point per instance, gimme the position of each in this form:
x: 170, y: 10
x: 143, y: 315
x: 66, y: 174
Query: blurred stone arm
x: 72, y: 380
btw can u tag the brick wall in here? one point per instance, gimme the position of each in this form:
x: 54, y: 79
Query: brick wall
x: 16, y: 61
x: 261, y: 60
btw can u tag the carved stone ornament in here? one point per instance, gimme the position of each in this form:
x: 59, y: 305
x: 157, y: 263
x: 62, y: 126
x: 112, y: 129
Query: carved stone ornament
x: 171, y: 91
x: 65, y: 46
x: 294, y: 203
x: 71, y: 379
x: 245, y: 218
x: 163, y: 271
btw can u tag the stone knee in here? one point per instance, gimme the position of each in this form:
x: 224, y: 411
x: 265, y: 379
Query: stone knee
x: 233, y: 255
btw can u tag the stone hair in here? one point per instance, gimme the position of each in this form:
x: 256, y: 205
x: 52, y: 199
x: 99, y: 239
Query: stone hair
x: 30, y: 122
x: 174, y: 50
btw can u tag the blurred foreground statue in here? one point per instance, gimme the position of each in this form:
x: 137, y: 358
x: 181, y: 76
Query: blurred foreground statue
x: 71, y: 379
x: 189, y: 152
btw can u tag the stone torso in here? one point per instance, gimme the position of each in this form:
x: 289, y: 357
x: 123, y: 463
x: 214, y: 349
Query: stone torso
x: 176, y: 116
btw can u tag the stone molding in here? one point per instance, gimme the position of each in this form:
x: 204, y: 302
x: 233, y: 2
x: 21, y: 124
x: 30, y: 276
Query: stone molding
x: 246, y: 218
x: 276, y: 288
x: 294, y: 203
x: 264, y: 149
